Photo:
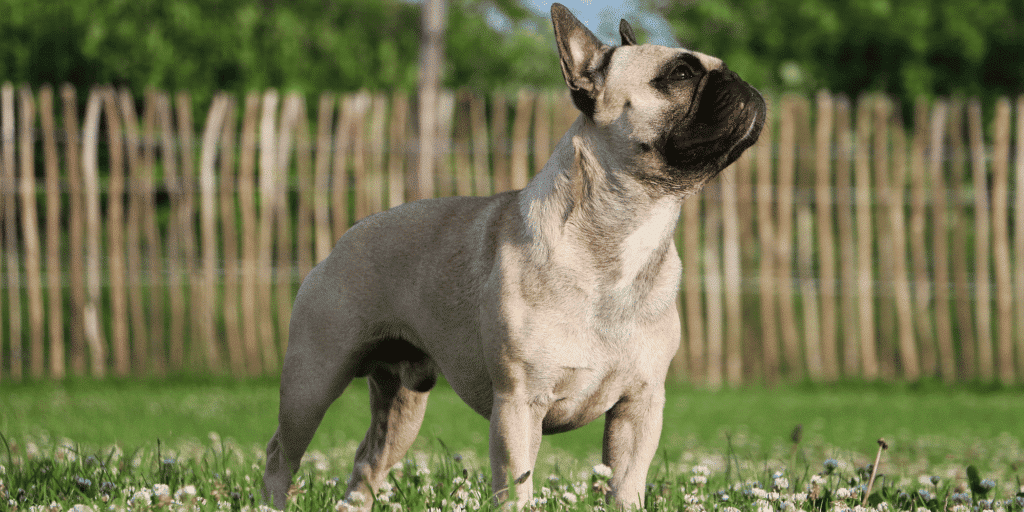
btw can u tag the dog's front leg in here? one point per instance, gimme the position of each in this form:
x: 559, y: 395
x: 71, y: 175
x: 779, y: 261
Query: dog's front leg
x: 631, y: 432
x: 514, y: 441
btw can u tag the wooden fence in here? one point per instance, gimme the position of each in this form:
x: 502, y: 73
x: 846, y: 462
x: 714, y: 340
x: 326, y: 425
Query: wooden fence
x: 840, y: 246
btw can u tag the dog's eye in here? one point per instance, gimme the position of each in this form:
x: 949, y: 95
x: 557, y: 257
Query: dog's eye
x: 681, y: 72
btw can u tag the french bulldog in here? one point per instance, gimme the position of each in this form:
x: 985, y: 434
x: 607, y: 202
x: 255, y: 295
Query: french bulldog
x: 545, y: 307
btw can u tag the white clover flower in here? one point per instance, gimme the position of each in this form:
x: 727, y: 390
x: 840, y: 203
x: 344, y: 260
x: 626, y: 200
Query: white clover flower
x: 774, y: 496
x: 396, y: 507
x: 701, y: 470
x: 569, y: 498
x: 817, y: 480
x: 603, y: 471
x: 142, y: 497
x: 730, y: 509
x: 799, y: 497
x: 344, y: 506
x: 759, y: 493
x: 81, y: 508
x: 161, y: 490
x: 691, y: 499
x: 698, y: 480
x: 185, y: 493
x: 224, y: 505
x: 357, y: 497
x: 540, y: 501
x: 843, y: 493
x: 781, y: 483
x: 764, y: 506
x: 922, y: 509
x: 580, y: 488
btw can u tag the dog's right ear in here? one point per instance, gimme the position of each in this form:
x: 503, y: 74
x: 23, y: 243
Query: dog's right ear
x: 626, y: 33
x: 583, y: 57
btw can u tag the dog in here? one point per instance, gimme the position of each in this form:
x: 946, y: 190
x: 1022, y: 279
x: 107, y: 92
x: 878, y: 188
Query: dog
x: 543, y: 307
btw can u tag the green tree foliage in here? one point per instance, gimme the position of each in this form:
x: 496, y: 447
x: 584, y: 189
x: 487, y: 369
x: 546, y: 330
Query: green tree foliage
x: 240, y: 45
x: 904, y: 47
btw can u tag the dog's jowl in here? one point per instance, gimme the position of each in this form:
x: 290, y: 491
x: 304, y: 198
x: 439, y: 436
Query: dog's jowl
x: 543, y: 307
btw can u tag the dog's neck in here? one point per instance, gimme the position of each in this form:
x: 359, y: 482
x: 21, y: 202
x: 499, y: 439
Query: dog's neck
x: 593, y: 200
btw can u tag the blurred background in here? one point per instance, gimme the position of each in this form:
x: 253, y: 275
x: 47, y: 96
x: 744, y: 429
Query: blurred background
x: 171, y: 169
x: 906, y: 48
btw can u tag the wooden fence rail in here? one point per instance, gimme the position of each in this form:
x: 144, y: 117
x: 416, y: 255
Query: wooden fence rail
x: 843, y: 245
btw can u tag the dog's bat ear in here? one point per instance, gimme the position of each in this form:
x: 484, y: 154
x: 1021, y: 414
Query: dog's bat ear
x: 582, y: 55
x: 626, y: 31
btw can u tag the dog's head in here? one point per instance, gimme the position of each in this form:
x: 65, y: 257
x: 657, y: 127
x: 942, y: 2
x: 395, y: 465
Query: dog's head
x: 683, y: 114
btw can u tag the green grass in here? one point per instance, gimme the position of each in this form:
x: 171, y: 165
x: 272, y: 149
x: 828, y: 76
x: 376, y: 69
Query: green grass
x: 209, y: 427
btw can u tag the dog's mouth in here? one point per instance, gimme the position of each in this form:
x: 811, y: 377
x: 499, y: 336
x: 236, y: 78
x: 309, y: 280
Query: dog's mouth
x: 727, y: 120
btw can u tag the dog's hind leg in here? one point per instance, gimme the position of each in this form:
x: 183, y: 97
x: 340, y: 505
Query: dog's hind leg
x: 305, y: 396
x: 398, y: 399
x: 320, y: 362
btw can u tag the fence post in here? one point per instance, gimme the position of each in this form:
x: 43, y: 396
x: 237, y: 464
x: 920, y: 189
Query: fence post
x: 865, y: 242
x: 115, y: 237
x: 824, y: 208
x: 885, y: 328
x: 399, y: 135
x: 940, y: 247
x: 251, y: 299
x: 784, y: 237
x: 208, y: 296
x: 284, y: 250
x: 140, y: 356
x: 30, y: 233
x: 711, y: 225
x: 918, y: 243
x: 809, y: 288
x: 1018, y: 232
x: 482, y: 179
x: 962, y: 295
x: 76, y: 228
x: 267, y: 210
x: 185, y: 216
x: 1001, y: 240
x: 846, y: 240
x: 229, y: 235
x: 500, y: 143
x: 54, y: 267
x: 93, y: 324
x: 908, y: 353
x: 520, y: 143
x: 154, y: 241
x: 732, y: 270
x: 766, y: 236
x: 693, y: 287
x: 9, y: 191
x: 982, y: 241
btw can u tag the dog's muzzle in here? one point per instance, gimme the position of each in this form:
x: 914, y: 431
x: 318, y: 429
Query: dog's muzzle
x: 728, y: 120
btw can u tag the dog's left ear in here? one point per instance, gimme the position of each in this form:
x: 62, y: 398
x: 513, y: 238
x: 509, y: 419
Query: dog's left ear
x: 626, y: 31
x: 583, y: 57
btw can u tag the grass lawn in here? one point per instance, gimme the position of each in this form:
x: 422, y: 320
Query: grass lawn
x: 931, y: 430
